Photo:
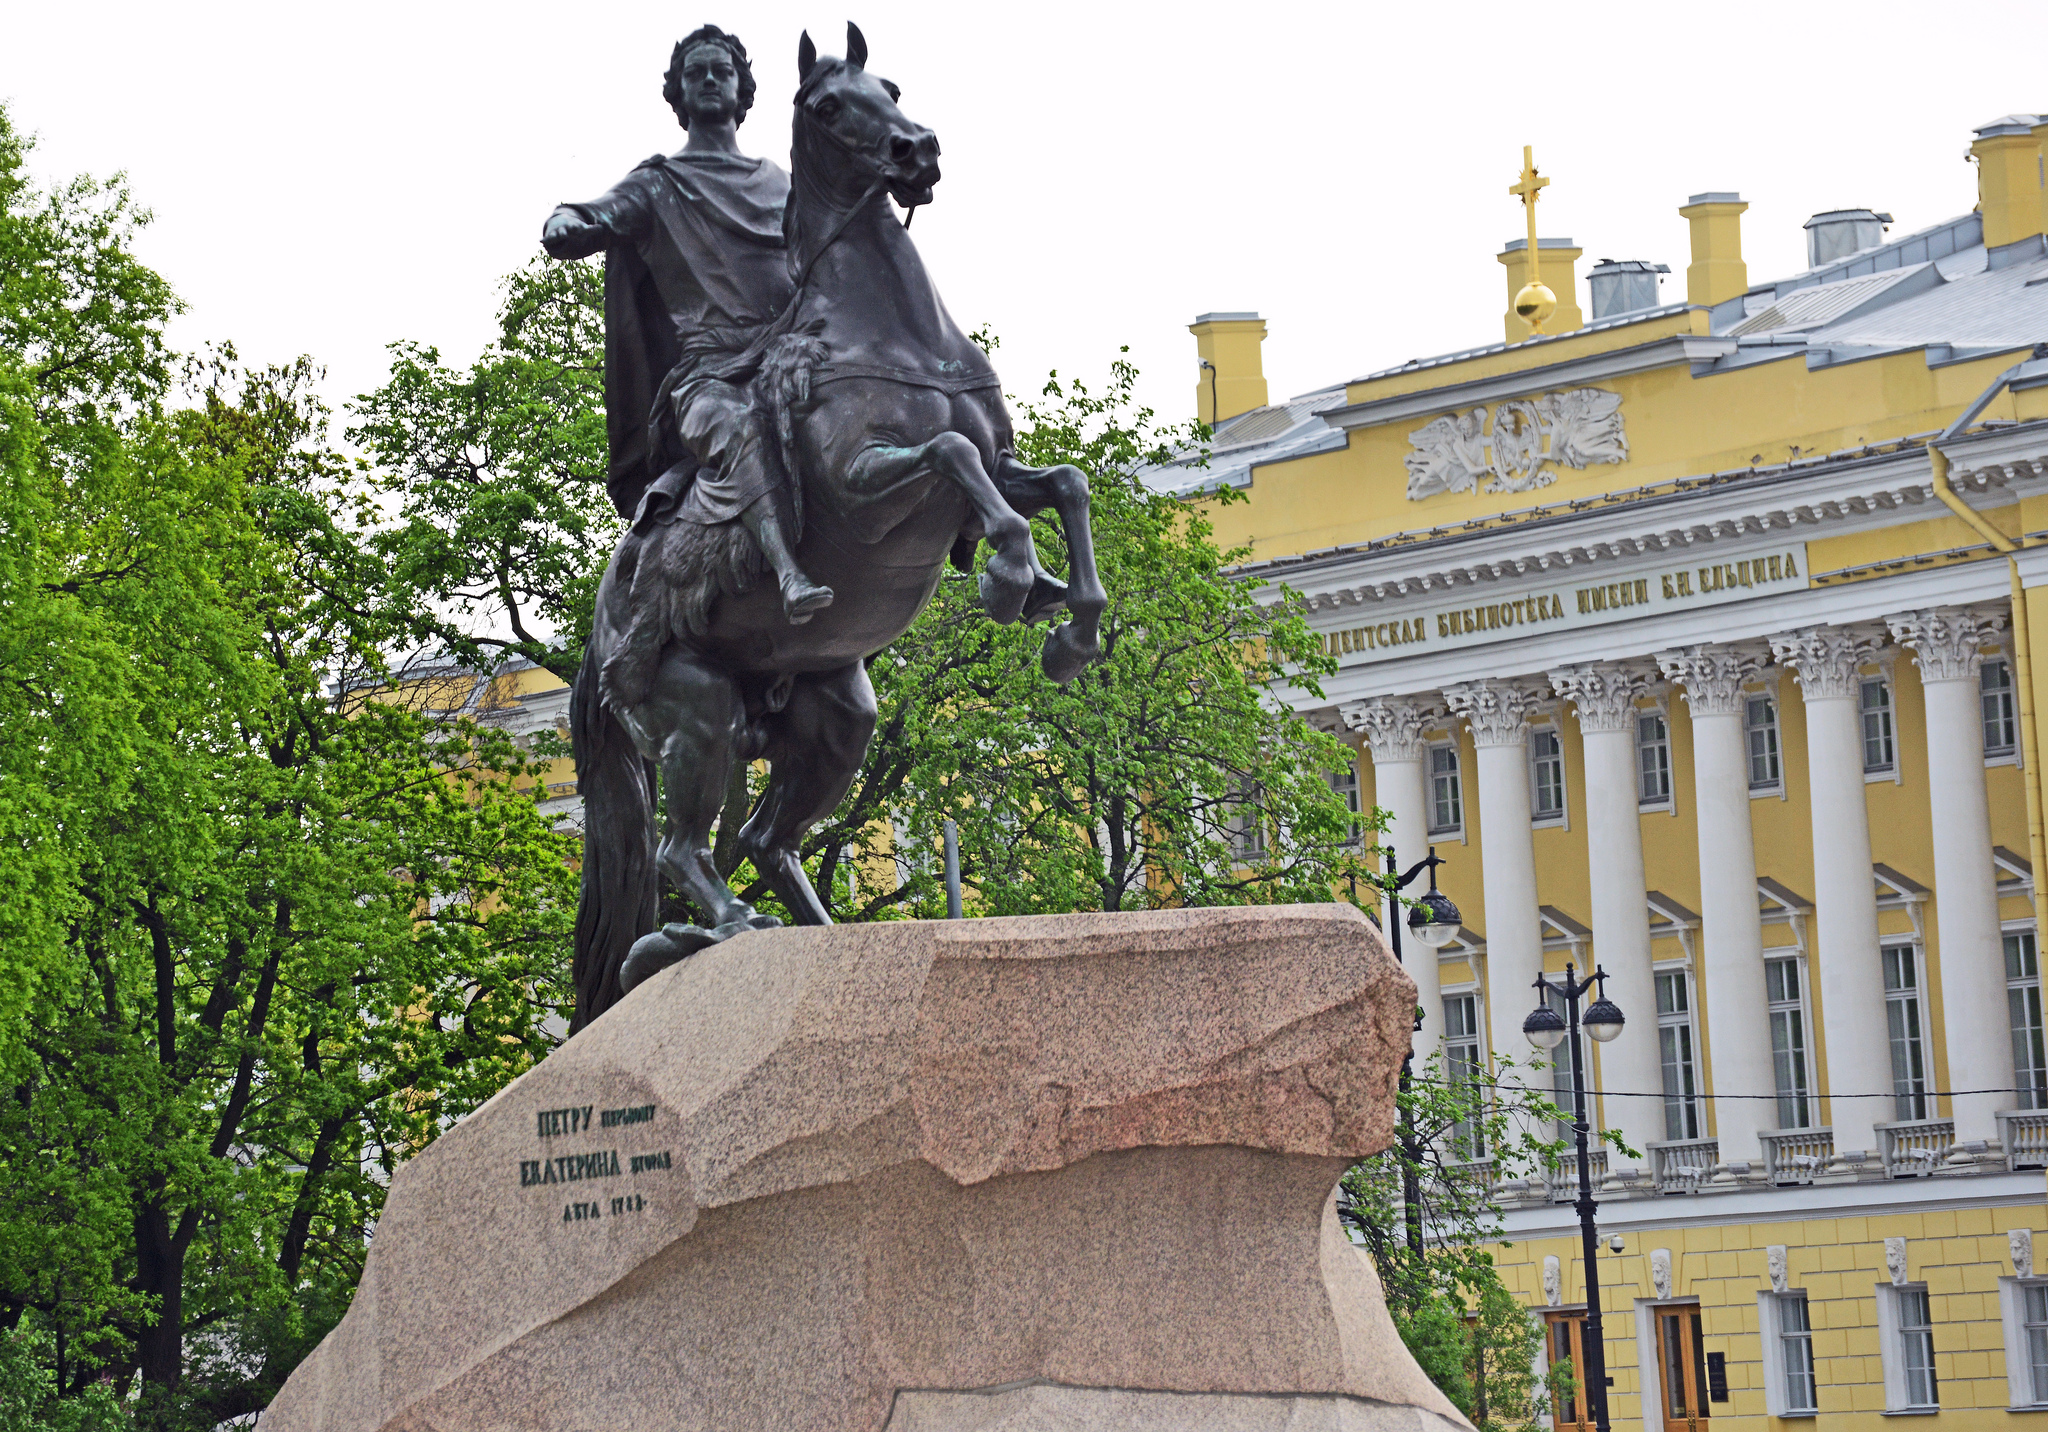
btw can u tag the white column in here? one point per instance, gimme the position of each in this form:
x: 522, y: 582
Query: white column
x: 1851, y: 978
x: 1393, y: 727
x: 1604, y: 696
x: 1497, y: 712
x: 1948, y: 642
x: 1731, y: 954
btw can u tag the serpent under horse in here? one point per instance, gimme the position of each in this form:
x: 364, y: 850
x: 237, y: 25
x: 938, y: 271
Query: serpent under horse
x: 894, y: 433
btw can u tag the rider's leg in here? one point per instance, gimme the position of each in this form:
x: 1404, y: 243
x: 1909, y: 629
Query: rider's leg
x: 814, y: 751
x: 696, y: 719
x: 1008, y: 579
x: 801, y: 597
x: 737, y: 482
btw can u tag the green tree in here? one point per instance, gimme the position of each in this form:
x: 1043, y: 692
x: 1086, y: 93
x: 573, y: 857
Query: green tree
x: 500, y: 526
x: 268, y: 929
x: 1423, y: 1211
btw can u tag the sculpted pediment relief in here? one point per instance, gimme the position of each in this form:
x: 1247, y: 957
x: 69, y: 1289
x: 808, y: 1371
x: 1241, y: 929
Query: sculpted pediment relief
x: 1518, y: 445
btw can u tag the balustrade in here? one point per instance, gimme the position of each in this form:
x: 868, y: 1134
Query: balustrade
x: 1915, y: 1146
x: 1795, y: 1155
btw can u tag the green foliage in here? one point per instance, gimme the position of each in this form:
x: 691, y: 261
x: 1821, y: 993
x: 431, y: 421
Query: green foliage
x: 499, y: 526
x: 264, y: 937
x: 1421, y: 1209
x: 29, y: 1399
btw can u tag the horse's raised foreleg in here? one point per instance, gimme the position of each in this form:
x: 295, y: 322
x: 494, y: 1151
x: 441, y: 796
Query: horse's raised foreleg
x: 692, y: 723
x: 1012, y: 563
x: 1073, y: 646
x: 815, y: 747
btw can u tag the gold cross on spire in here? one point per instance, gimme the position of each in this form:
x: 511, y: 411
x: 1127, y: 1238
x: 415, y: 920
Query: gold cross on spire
x: 1534, y: 303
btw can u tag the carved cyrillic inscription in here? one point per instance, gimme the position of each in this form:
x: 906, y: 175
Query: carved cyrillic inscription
x: 570, y: 1168
x: 555, y: 1122
x: 637, y: 1114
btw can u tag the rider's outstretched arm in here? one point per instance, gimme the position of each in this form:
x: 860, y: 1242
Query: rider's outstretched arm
x: 576, y: 231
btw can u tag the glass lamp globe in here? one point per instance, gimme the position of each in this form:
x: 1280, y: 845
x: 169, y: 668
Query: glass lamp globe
x: 1602, y: 1019
x: 1544, y: 1026
x: 1434, y: 920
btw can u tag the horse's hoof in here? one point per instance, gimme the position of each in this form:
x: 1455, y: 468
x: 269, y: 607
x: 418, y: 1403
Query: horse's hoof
x: 762, y: 922
x: 1003, y: 594
x: 651, y: 954
x: 1047, y: 600
x: 1066, y: 656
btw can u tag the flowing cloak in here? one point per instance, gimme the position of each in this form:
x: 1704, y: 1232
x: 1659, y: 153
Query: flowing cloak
x: 695, y: 266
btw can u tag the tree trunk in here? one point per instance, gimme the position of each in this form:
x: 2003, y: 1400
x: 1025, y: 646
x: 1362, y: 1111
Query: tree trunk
x: 160, y: 1273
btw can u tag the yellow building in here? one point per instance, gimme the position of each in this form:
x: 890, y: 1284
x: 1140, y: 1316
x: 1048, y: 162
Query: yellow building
x: 1684, y: 630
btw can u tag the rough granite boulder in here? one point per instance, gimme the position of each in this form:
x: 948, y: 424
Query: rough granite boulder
x: 1009, y: 1175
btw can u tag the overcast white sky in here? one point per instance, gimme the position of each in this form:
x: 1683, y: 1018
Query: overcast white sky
x: 330, y: 178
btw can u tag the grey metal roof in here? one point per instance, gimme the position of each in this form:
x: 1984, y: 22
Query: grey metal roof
x: 1273, y: 433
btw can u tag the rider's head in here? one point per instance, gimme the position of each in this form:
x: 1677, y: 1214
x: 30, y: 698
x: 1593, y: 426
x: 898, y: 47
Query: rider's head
x: 708, y: 74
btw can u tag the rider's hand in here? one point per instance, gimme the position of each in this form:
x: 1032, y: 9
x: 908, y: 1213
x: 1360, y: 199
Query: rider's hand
x: 567, y: 235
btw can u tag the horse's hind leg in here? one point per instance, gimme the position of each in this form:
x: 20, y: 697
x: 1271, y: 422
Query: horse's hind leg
x: 815, y: 748
x: 1013, y: 563
x: 692, y: 722
x: 1072, y: 647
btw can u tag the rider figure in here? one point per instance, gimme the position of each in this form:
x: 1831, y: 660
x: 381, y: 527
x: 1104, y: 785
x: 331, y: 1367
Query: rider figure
x: 695, y: 267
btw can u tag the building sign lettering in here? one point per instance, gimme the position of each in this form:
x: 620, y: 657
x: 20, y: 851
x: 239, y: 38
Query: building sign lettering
x: 1563, y: 607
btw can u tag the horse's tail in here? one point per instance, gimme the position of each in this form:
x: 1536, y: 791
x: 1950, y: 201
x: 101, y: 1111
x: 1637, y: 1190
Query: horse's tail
x: 621, y: 895
x: 782, y: 385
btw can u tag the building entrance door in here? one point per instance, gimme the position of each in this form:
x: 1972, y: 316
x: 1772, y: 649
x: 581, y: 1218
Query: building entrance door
x: 1568, y: 1344
x: 1682, y: 1367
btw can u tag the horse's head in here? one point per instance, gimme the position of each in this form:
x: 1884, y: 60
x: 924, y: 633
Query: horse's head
x: 848, y: 125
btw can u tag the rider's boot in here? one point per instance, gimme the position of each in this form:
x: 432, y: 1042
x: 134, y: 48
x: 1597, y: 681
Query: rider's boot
x: 801, y: 597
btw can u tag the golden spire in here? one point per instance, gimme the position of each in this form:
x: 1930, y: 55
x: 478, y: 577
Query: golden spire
x: 1535, y: 303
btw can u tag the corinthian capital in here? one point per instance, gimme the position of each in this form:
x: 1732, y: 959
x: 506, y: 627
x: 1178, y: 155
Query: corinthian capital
x: 1497, y: 711
x: 1393, y: 725
x: 1711, y: 674
x: 1947, y: 642
x: 1602, y: 692
x: 1824, y: 659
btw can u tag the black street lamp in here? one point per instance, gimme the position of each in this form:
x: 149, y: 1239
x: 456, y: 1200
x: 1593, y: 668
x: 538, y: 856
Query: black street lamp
x: 1434, y: 921
x: 1546, y: 1030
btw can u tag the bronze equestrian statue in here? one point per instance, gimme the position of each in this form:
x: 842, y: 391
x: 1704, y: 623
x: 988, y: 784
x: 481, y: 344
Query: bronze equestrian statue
x: 788, y: 398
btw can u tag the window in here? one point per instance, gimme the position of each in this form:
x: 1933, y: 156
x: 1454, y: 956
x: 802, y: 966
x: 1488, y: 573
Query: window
x: 2023, y: 1306
x: 1788, y: 1041
x: 2023, y: 1002
x: 1788, y: 1351
x: 1446, y: 793
x: 1546, y: 774
x: 1876, y: 701
x: 2000, y: 728
x: 1464, y: 1065
x: 1653, y: 759
x: 1561, y: 1066
x: 1345, y: 784
x: 1247, y: 820
x: 1760, y: 723
x: 1903, y: 1017
x: 1674, y: 1042
x: 1916, y: 1348
x: 2034, y: 1307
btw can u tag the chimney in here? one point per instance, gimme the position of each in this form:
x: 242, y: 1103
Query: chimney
x: 1559, y: 277
x: 1232, y: 377
x: 1841, y: 232
x: 1617, y: 286
x: 2012, y: 187
x: 1717, y: 272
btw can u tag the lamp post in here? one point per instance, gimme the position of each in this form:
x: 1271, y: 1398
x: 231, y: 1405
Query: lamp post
x: 1434, y: 921
x: 1546, y: 1030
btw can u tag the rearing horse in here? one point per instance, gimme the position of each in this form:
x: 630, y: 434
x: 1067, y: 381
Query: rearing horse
x: 892, y: 426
